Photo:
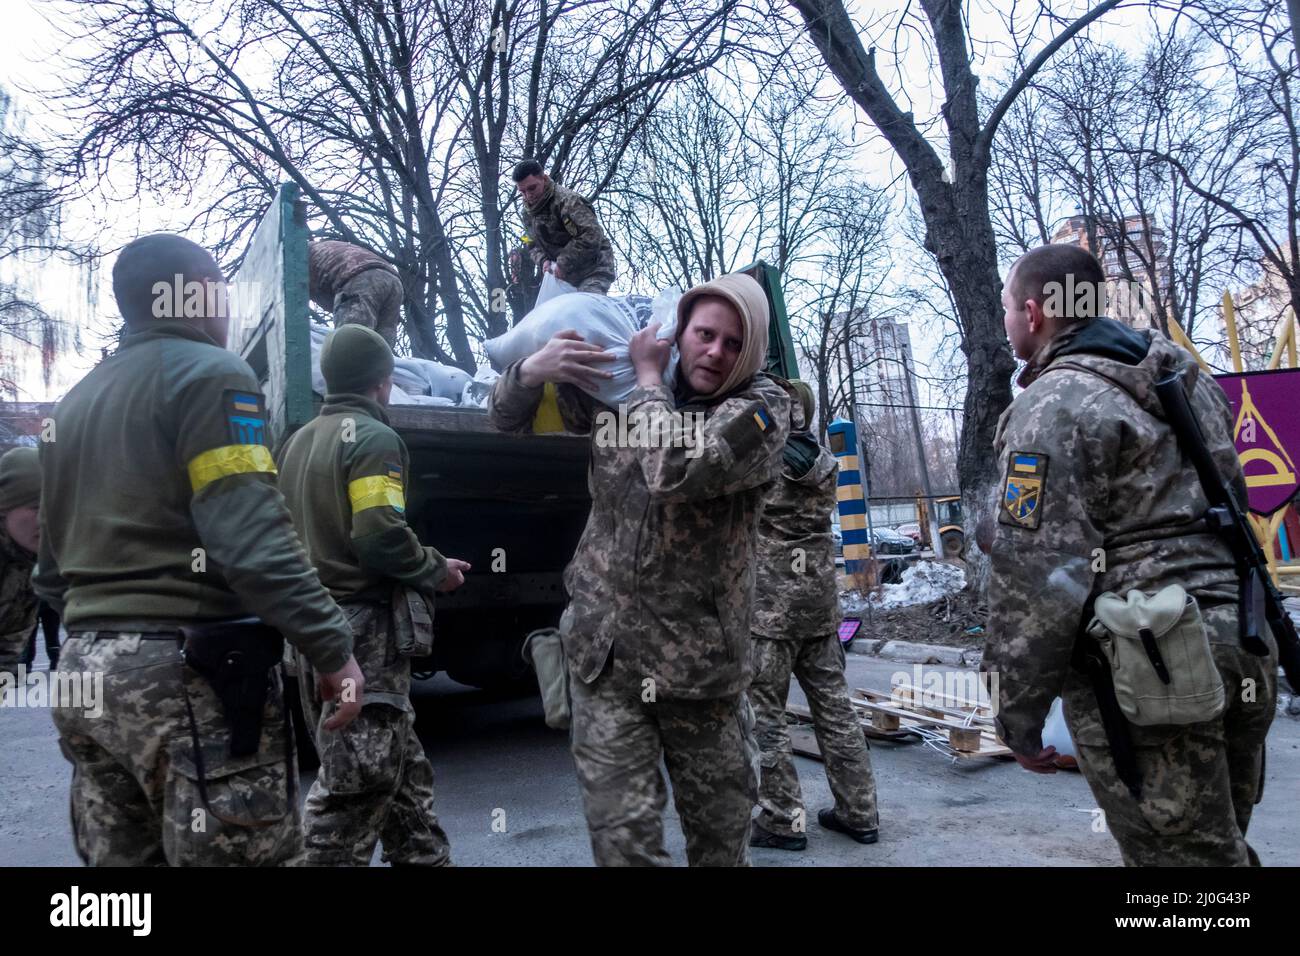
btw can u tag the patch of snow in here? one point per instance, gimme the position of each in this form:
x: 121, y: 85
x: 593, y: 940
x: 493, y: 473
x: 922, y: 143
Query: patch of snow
x: 922, y: 583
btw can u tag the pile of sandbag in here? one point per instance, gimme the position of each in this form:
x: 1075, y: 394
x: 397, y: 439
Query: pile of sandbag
x: 417, y: 381
x: 607, y: 321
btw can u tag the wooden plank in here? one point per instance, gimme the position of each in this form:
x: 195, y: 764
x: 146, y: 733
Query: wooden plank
x: 956, y: 707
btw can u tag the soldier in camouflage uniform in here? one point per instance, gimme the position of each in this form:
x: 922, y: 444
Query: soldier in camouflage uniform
x: 657, y: 632
x: 356, y: 285
x: 344, y: 476
x: 1098, y: 497
x: 796, y: 621
x: 20, y: 498
x: 565, y: 236
x: 161, y: 512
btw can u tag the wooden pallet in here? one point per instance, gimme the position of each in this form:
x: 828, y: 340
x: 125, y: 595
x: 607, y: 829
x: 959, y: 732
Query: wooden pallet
x: 970, y: 732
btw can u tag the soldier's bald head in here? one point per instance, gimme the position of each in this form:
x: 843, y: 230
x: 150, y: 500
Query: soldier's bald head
x: 1052, y: 274
x: 158, y: 258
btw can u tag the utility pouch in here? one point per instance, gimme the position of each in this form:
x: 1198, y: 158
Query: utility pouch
x: 545, y: 651
x: 1160, y: 659
x: 412, y: 622
x: 236, y: 658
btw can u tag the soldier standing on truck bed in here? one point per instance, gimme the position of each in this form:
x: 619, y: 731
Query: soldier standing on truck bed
x: 344, y: 476
x: 161, y: 532
x: 657, y: 630
x: 356, y: 285
x: 796, y: 631
x: 1099, y: 497
x: 565, y: 236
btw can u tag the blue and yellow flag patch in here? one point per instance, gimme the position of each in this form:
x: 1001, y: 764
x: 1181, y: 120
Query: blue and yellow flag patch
x: 762, y: 419
x: 245, y: 417
x: 1025, y: 490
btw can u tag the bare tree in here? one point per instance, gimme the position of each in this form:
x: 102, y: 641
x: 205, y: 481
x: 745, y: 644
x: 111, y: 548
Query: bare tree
x: 954, y: 197
x: 30, y: 232
x: 395, y: 117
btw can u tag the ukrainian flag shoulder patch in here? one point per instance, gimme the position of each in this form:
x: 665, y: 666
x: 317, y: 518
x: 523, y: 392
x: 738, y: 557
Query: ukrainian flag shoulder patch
x: 762, y: 419
x: 1024, y: 491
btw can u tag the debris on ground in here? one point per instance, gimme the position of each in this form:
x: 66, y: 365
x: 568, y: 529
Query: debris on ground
x: 930, y: 606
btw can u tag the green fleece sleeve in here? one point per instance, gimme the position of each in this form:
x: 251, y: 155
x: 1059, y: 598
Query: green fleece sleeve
x: 376, y: 465
x: 241, y: 517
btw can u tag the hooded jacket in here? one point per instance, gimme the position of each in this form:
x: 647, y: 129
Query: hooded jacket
x: 663, y: 575
x: 1097, y: 497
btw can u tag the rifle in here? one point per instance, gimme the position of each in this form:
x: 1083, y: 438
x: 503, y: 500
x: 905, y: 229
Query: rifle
x: 1257, y: 595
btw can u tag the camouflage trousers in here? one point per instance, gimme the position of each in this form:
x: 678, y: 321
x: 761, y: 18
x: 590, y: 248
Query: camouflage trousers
x: 818, y: 665
x: 1199, y: 783
x: 375, y: 783
x: 372, y: 298
x: 598, y: 282
x: 618, y: 741
x: 13, y: 650
x: 135, y: 788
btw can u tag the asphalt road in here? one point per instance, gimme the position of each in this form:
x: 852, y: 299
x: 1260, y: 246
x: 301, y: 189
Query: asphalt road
x: 495, y: 760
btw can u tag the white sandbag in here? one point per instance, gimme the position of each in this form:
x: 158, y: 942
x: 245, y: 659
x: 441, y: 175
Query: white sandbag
x: 411, y: 382
x: 400, y: 396
x: 446, y: 381
x: 318, y: 333
x: 606, y: 321
x: 477, y: 391
x: 1056, y: 733
x: 551, y: 287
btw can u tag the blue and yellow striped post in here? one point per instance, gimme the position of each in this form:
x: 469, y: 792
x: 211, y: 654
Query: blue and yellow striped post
x: 843, y: 436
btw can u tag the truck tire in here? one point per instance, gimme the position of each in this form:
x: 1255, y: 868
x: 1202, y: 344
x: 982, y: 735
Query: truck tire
x: 952, y: 542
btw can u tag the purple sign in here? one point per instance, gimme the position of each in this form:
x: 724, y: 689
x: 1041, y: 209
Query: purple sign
x: 1266, y: 427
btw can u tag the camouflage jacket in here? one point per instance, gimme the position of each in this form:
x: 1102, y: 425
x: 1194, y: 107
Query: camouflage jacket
x: 159, y: 505
x: 1097, y: 497
x: 17, y: 599
x: 344, y: 476
x: 564, y: 228
x: 664, y: 573
x: 795, y: 592
x: 331, y: 263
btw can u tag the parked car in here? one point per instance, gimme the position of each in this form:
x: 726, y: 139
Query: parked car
x: 911, y: 530
x: 889, y: 541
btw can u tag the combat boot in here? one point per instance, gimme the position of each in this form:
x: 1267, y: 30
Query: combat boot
x: 831, y: 821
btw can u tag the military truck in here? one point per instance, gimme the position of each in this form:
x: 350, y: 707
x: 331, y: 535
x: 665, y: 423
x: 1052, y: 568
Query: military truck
x: 513, y: 506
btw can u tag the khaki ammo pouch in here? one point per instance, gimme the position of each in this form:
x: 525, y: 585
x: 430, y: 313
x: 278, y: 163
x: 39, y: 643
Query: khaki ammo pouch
x: 1159, y: 653
x: 412, y: 622
x: 545, y: 651
x: 237, y: 659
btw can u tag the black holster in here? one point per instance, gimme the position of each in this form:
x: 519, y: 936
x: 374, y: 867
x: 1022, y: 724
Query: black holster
x: 236, y: 658
x: 1089, y: 660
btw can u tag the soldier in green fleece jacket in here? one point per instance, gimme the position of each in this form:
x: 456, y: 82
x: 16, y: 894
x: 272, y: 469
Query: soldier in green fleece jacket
x: 161, y: 512
x: 344, y: 476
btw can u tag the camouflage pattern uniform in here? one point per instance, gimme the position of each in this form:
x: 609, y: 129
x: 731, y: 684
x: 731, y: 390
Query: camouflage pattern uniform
x: 159, y: 509
x: 17, y: 601
x: 796, y: 631
x: 657, y: 633
x: 564, y: 228
x: 1098, y: 497
x: 345, y: 485
x: 356, y: 285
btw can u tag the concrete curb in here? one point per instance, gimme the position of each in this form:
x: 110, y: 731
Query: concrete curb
x: 908, y: 652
